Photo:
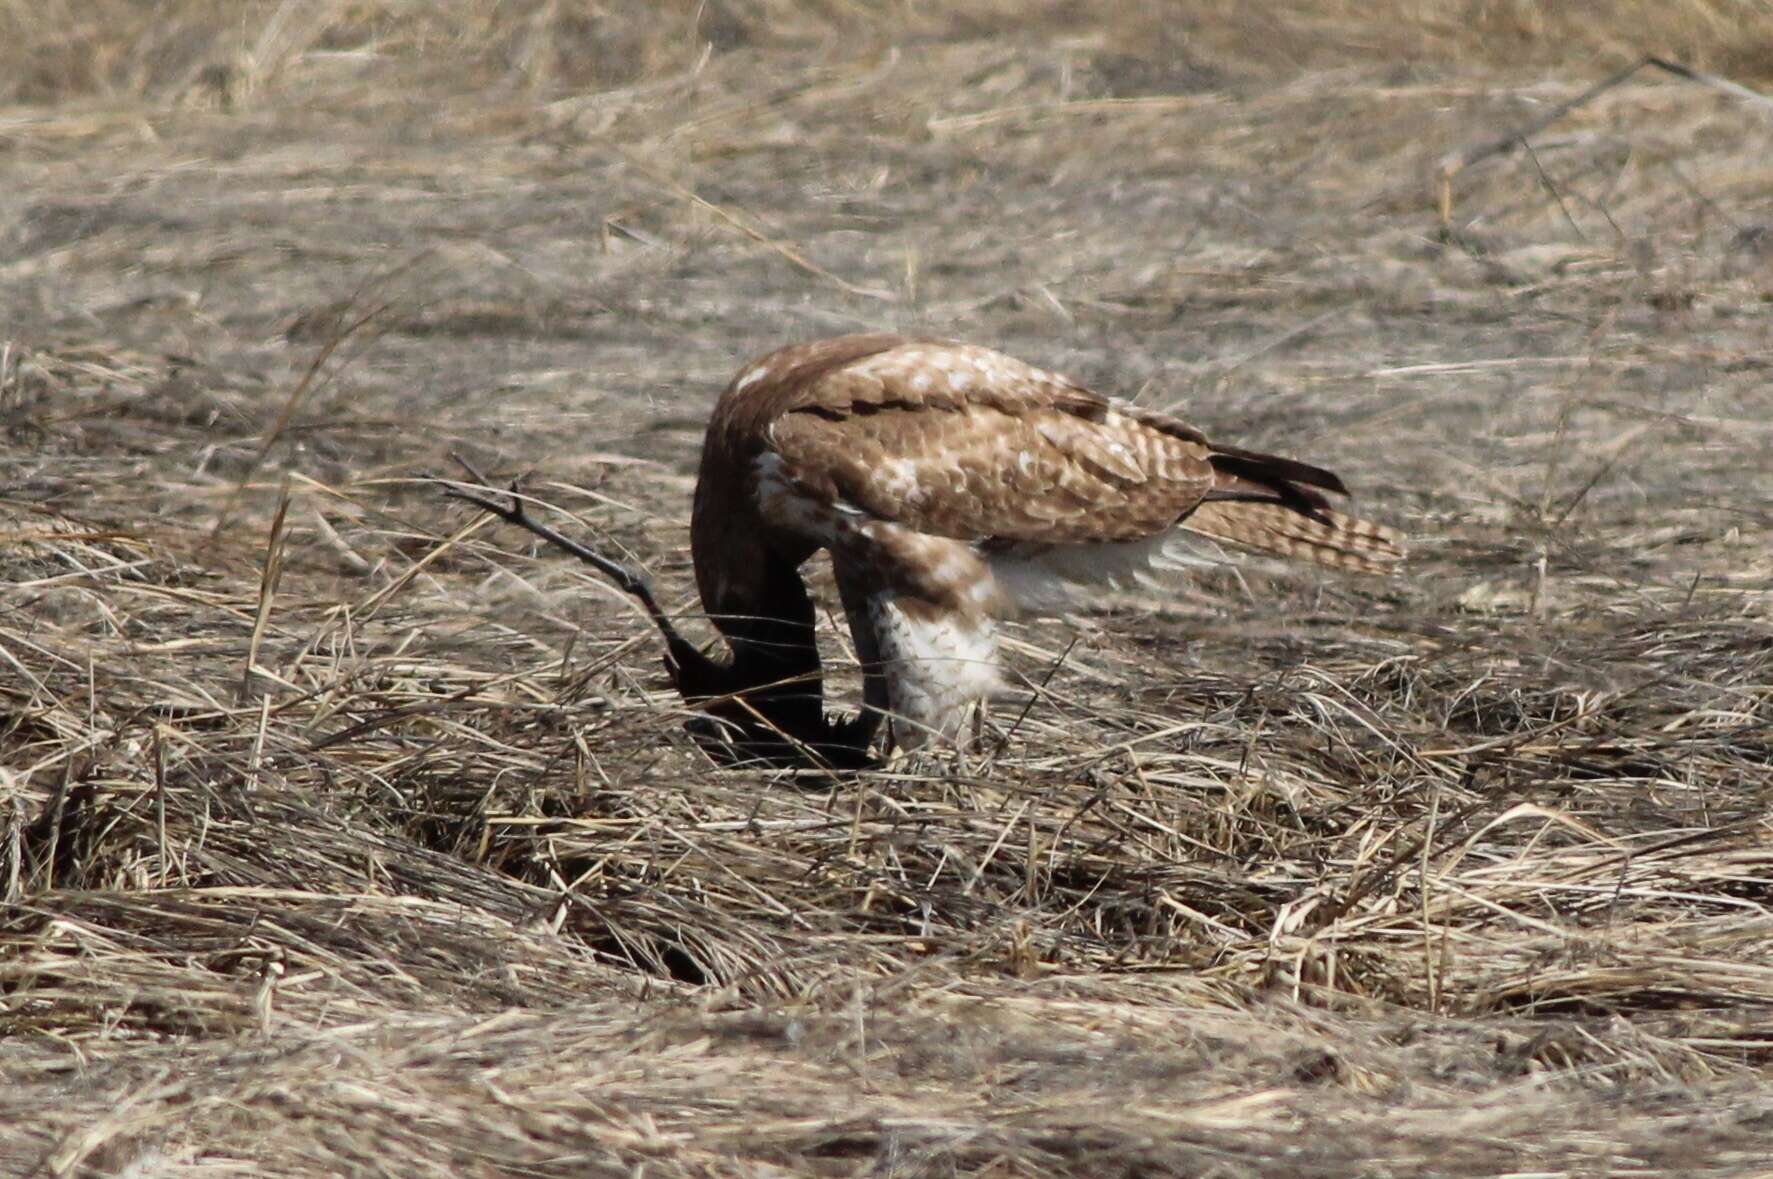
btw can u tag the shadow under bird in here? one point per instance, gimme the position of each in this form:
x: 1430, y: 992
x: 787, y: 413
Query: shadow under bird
x: 953, y: 486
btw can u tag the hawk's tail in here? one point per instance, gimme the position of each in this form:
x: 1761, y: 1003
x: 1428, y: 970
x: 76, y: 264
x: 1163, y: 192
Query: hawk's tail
x: 1320, y: 534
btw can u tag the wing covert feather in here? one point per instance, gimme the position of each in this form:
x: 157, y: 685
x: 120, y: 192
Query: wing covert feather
x: 966, y: 443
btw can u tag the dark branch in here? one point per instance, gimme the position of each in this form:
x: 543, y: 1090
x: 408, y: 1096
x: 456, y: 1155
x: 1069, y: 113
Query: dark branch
x: 769, y: 694
x: 681, y: 653
x: 514, y: 512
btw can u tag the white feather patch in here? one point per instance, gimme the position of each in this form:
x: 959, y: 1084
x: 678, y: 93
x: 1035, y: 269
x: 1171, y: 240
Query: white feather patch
x: 935, y: 669
x: 1055, y: 579
x: 750, y: 377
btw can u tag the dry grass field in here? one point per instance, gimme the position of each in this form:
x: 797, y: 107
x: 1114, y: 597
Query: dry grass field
x: 343, y: 831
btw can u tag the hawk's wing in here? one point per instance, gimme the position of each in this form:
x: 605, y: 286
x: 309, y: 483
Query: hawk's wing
x: 959, y: 441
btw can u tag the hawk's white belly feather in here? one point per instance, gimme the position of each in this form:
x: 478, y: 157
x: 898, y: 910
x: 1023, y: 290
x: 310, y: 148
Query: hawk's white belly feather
x: 936, y: 668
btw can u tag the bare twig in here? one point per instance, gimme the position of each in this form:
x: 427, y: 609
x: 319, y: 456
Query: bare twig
x: 511, y: 510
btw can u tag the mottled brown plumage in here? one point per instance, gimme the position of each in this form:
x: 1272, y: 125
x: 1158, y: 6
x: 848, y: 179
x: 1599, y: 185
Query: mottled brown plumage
x: 954, y: 485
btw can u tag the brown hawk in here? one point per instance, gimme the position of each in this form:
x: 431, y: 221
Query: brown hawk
x: 953, y: 486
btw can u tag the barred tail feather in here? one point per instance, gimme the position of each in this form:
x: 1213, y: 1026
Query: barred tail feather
x: 1325, y: 537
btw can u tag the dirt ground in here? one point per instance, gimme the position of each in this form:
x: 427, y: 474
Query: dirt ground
x: 344, y: 832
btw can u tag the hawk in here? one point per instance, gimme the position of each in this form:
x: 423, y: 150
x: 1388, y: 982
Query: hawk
x: 953, y: 486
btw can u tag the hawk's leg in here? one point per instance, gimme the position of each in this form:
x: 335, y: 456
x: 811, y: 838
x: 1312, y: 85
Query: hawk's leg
x: 876, y: 701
